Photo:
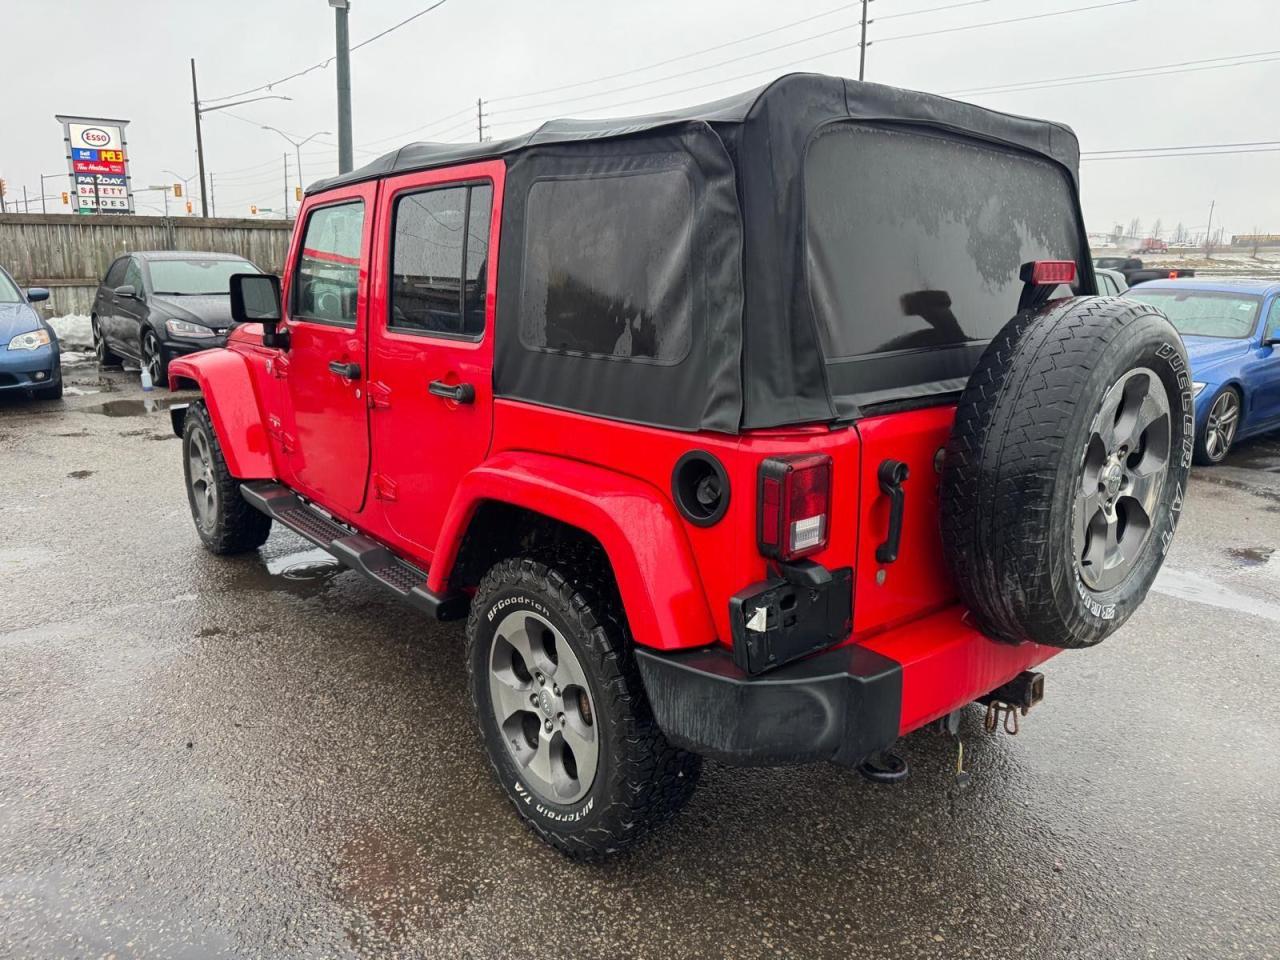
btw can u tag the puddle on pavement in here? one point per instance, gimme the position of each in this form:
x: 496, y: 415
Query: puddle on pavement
x: 135, y: 408
x: 1251, y: 556
x: 1198, y: 589
x: 315, y: 564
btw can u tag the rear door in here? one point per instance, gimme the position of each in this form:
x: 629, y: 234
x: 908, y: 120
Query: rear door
x: 324, y: 433
x: 431, y: 342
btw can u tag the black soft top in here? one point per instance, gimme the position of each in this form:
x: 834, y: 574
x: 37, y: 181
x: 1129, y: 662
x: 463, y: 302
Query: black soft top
x: 849, y: 98
x: 735, y: 276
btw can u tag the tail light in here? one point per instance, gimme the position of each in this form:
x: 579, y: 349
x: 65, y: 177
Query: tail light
x: 1053, y: 272
x: 1173, y: 274
x: 795, y: 505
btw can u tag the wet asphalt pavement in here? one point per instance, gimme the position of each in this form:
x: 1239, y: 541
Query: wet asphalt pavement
x: 263, y: 757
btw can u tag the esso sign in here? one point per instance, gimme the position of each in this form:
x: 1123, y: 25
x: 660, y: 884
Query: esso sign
x: 95, y: 137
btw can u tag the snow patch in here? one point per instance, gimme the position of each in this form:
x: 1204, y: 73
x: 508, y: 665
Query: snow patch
x: 75, y: 331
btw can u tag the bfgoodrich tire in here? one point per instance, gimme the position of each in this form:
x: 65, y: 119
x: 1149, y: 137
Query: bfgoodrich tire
x: 1065, y: 472
x: 225, y: 521
x: 562, y: 711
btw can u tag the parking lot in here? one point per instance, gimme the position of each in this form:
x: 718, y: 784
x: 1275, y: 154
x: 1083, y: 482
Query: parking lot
x: 202, y: 757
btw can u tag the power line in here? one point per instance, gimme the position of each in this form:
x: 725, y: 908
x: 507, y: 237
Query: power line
x: 683, y: 56
x: 1132, y: 73
x: 325, y: 63
x: 846, y: 49
x: 1188, y: 146
x: 1193, y: 153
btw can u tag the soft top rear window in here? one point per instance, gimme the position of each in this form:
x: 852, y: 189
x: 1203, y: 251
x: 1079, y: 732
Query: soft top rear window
x: 914, y: 244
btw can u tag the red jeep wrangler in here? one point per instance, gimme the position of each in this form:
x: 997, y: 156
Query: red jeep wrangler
x: 768, y: 430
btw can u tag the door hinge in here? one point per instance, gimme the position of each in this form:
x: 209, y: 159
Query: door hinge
x: 379, y: 395
x: 384, y: 488
x: 278, y: 367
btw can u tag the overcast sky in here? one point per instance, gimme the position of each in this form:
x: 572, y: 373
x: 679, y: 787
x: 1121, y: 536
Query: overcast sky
x: 129, y: 59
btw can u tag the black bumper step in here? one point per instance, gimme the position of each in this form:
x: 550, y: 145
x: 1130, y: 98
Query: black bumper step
x: 352, y: 549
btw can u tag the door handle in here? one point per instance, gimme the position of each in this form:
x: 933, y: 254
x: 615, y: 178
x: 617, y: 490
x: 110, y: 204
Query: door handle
x: 457, y: 392
x: 891, y: 476
x: 348, y: 371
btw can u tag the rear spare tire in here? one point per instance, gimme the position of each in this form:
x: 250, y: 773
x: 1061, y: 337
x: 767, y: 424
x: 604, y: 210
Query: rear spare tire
x: 1065, y: 472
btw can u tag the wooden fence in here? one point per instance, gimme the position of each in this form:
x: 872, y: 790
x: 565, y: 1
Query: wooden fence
x: 70, y: 253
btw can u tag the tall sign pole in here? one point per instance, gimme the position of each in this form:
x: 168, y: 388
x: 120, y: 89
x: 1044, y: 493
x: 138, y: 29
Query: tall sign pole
x: 343, y: 58
x: 195, y: 102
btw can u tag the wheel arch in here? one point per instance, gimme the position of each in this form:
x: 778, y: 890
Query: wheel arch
x: 226, y: 387
x: 522, y: 502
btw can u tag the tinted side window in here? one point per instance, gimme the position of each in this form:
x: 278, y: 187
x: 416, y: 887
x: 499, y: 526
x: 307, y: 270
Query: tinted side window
x: 326, y: 283
x: 115, y: 274
x: 440, y: 248
x: 607, y: 266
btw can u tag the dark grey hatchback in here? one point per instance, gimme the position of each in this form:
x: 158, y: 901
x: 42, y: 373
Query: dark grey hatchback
x: 155, y: 305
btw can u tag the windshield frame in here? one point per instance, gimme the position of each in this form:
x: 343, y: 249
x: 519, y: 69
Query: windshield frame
x: 246, y: 266
x: 1134, y: 293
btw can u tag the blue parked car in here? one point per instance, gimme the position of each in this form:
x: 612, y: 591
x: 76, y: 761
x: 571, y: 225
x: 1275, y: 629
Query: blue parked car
x: 1232, y: 332
x: 29, y: 358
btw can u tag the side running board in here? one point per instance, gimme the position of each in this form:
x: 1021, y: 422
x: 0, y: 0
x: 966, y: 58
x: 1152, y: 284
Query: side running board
x: 353, y: 550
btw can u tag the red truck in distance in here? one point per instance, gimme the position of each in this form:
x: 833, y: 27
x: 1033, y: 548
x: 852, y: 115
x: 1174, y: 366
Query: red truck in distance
x: 768, y: 430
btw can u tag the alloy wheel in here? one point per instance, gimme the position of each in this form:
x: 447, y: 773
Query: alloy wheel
x: 1125, y: 464
x: 542, y: 702
x: 151, y: 357
x: 1220, y: 431
x: 204, y: 489
x: 99, y: 345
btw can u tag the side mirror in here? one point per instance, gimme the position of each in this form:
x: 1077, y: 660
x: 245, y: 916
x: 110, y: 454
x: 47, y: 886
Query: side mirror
x: 36, y: 294
x: 255, y: 298
x: 127, y: 292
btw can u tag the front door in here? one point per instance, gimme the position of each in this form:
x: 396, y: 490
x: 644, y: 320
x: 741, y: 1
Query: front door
x: 431, y: 342
x: 1265, y: 369
x: 324, y: 433
x: 131, y: 312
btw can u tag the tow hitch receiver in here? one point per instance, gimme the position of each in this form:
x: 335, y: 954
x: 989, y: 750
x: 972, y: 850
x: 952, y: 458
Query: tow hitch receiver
x: 1015, y: 698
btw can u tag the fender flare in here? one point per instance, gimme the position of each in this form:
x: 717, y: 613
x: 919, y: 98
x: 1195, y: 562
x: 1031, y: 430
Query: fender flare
x: 227, y: 387
x: 662, y: 592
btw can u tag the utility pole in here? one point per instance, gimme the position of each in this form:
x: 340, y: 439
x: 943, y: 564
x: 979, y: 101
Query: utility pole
x: 343, y: 58
x: 200, y: 111
x: 26, y: 204
x: 862, y: 47
x: 195, y: 103
x: 1208, y: 233
x: 43, y: 178
x: 286, y: 185
x: 212, y: 202
x: 480, y: 118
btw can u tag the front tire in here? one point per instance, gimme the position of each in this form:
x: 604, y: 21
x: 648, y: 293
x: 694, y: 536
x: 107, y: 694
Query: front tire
x: 1223, y: 423
x: 562, y: 711
x: 153, y: 360
x: 225, y: 521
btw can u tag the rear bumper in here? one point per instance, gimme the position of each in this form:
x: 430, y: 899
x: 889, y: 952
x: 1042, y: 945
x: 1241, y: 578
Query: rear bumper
x: 840, y: 705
